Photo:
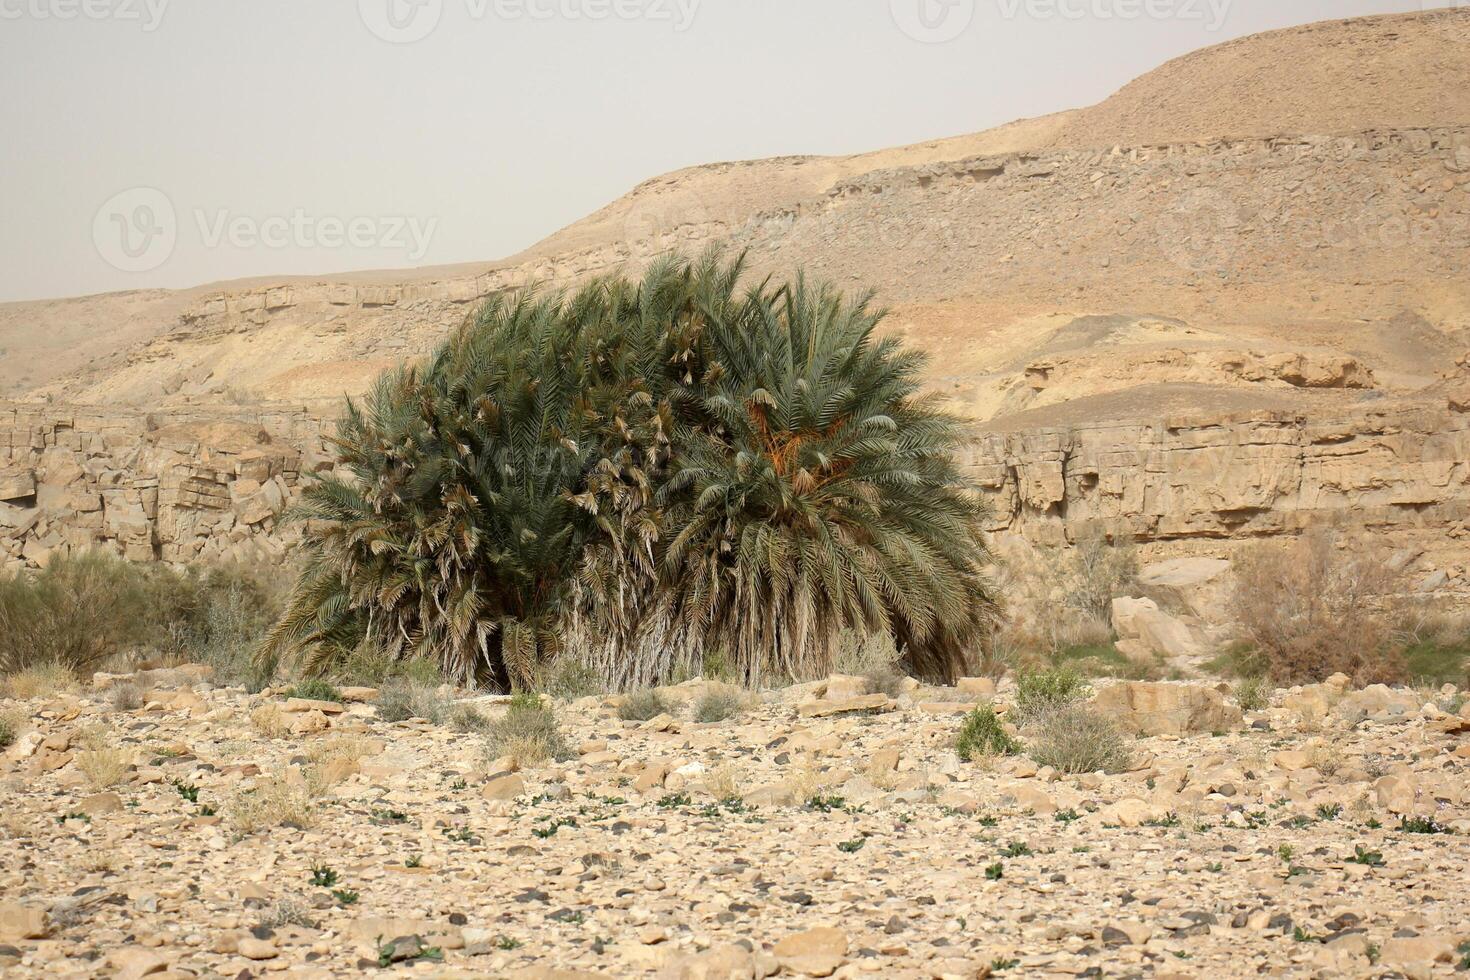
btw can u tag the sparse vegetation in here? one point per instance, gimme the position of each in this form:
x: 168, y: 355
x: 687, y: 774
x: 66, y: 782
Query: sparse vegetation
x: 104, y: 766
x: 1039, y: 692
x: 982, y: 734
x: 314, y: 689
x: 1253, y: 693
x: 527, y: 733
x: 82, y: 610
x: 38, y: 681
x: 271, y: 802
x: 10, y: 724
x: 468, y: 719
x: 401, y: 698
x: 1076, y: 739
x: 719, y: 702
x: 643, y: 705
x: 1316, y: 607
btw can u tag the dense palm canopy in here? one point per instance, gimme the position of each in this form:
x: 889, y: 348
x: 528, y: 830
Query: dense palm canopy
x: 643, y: 473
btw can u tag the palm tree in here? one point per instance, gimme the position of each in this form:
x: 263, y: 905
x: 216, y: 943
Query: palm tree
x: 813, y: 490
x: 654, y: 469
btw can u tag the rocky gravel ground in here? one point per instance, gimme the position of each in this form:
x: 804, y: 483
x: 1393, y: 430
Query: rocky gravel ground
x: 824, y: 831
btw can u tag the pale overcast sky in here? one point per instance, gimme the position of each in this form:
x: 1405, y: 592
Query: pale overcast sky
x: 191, y: 128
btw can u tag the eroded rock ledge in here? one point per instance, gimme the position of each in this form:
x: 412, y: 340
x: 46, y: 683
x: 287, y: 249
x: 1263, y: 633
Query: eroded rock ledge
x: 206, y: 484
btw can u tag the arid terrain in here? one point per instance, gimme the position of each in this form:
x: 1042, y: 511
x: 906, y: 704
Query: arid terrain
x: 1211, y: 338
x: 819, y: 831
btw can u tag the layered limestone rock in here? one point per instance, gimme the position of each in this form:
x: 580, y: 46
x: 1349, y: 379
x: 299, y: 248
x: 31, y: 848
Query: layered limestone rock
x: 1259, y: 475
x: 178, y: 488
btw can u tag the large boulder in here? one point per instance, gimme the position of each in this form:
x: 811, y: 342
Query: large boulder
x: 1166, y: 709
x: 1142, y: 625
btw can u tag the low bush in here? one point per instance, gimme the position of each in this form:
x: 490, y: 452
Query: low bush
x: 1319, y: 606
x: 10, y: 724
x: 84, y: 610
x: 271, y: 803
x: 718, y: 703
x: 126, y: 696
x: 314, y: 689
x: 40, y: 681
x: 401, y: 699
x: 982, y: 734
x: 467, y: 718
x: 528, y: 733
x: 643, y: 705
x: 1253, y: 693
x: 1075, y: 739
x: 1042, y: 691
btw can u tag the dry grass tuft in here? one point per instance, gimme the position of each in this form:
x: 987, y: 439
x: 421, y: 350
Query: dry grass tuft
x: 725, y: 782
x: 271, y: 802
x: 643, y: 706
x: 270, y: 721
x: 44, y: 681
x: 528, y: 733
x: 104, y: 766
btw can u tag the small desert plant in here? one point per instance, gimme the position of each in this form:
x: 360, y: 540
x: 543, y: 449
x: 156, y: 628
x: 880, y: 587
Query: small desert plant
x: 718, y: 703
x: 527, y: 733
x: 1042, y: 691
x: 643, y: 705
x: 1253, y: 693
x: 104, y: 766
x: 568, y: 678
x: 724, y: 782
x: 314, y: 689
x: 467, y: 718
x: 873, y: 656
x: 270, y: 803
x: 38, y: 681
x: 1076, y: 739
x: 126, y: 696
x: 10, y: 724
x: 286, y: 913
x: 1315, y: 607
x: 400, y: 700
x: 269, y: 720
x: 982, y: 734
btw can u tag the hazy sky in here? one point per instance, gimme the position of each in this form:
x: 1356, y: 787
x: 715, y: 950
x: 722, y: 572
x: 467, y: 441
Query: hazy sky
x: 154, y: 143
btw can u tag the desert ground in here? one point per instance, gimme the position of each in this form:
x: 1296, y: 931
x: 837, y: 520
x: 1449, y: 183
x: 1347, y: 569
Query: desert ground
x: 821, y: 830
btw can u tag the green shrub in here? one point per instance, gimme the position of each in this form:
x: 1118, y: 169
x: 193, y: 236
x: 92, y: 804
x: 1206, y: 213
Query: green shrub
x: 1074, y: 738
x: 314, y: 689
x: 528, y: 732
x: 982, y: 734
x: 643, y: 705
x: 1253, y: 693
x: 83, y: 610
x: 1042, y: 691
x: 718, y: 703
